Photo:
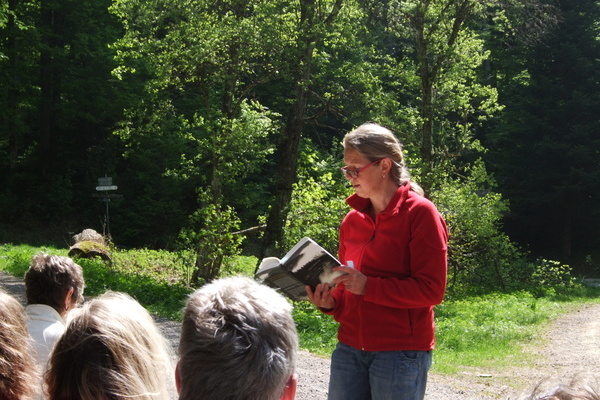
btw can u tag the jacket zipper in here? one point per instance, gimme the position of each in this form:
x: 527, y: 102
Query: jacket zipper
x: 361, y: 299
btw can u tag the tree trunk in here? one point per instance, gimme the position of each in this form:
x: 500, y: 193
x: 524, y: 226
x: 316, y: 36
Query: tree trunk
x: 50, y: 82
x: 286, y: 161
x: 427, y: 75
x: 427, y: 151
x: 288, y: 147
x: 12, y: 97
x: 567, y: 234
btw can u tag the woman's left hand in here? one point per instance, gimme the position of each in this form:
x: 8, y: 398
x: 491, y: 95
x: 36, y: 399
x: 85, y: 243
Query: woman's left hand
x: 353, y: 280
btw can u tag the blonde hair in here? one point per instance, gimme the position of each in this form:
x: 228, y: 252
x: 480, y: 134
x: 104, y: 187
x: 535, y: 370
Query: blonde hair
x: 19, y: 374
x: 111, y: 349
x: 577, y: 389
x: 375, y: 142
x: 238, y: 342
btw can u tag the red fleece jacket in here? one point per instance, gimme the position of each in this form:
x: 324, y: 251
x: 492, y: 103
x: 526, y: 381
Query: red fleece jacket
x: 403, y: 253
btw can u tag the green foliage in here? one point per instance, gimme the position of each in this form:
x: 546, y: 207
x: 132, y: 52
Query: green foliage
x: 317, y: 331
x: 161, y: 265
x: 200, y: 64
x: 444, y: 54
x: 239, y: 265
x: 318, y: 201
x: 15, y: 259
x: 549, y: 278
x: 211, y: 236
x: 58, y: 102
x: 544, y: 149
x: 154, y: 278
x: 481, y: 257
x: 479, y: 253
x: 155, y: 294
x: 200, y: 91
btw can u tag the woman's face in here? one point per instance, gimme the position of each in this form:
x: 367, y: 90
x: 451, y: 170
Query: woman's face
x: 368, y: 182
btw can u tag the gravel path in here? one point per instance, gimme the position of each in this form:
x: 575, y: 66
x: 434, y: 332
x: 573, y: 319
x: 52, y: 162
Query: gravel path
x: 569, y: 348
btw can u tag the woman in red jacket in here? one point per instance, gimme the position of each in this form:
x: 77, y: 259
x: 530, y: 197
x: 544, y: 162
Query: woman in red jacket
x: 393, y: 244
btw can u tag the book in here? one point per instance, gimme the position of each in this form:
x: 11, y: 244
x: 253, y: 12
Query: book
x: 306, y: 264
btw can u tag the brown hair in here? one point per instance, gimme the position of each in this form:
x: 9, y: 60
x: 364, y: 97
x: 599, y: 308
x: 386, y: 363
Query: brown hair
x: 50, y: 278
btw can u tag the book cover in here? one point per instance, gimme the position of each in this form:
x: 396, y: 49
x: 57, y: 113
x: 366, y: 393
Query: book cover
x: 306, y: 264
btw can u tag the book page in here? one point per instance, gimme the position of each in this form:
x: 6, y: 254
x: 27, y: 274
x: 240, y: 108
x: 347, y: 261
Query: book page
x: 268, y: 263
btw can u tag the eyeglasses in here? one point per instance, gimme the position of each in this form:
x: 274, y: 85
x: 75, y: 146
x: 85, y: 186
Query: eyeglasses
x: 353, y: 172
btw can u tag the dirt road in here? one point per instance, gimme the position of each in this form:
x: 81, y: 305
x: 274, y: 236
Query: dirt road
x: 570, y: 347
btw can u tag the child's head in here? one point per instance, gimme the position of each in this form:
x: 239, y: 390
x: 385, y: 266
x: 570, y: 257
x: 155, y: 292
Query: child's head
x: 111, y: 349
x: 238, y: 341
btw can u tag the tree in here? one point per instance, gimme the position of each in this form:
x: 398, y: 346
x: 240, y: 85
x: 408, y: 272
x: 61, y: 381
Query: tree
x: 16, y: 66
x: 442, y: 41
x: 203, y: 62
x: 58, y: 102
x: 316, y: 17
x: 545, y: 152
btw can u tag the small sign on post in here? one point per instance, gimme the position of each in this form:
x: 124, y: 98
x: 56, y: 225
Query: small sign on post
x: 105, y: 185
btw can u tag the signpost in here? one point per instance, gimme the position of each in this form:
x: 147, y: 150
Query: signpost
x: 105, y: 186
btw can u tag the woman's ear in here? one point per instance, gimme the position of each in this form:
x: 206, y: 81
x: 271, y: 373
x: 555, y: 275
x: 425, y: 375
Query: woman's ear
x: 289, y: 392
x: 386, y: 166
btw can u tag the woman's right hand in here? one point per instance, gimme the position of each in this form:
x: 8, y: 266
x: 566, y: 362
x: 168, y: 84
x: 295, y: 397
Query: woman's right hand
x: 322, y: 297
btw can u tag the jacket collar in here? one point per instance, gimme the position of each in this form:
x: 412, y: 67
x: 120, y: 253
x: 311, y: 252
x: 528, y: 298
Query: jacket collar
x: 362, y: 204
x: 43, y: 312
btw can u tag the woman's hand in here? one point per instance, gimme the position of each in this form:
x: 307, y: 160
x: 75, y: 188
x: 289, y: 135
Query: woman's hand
x: 322, y: 296
x: 354, y: 281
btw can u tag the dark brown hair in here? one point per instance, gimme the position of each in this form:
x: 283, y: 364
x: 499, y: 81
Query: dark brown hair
x: 50, y: 278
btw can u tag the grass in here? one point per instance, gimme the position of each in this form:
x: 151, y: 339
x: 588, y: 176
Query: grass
x: 474, y: 332
x: 482, y: 331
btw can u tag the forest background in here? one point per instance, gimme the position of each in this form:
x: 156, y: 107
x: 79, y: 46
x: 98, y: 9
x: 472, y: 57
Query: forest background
x: 220, y: 122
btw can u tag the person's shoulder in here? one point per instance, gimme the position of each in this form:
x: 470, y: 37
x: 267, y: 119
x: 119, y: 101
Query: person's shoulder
x: 54, y: 331
x: 417, y: 201
x: 420, y: 208
x: 42, y: 312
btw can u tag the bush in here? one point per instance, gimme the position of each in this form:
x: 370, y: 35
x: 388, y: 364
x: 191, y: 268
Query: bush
x: 318, y: 203
x: 210, y: 235
x: 481, y: 257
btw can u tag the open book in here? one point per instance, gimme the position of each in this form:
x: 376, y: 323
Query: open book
x: 306, y: 263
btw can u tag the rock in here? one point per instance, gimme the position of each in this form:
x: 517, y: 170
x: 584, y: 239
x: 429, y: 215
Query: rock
x: 89, y: 235
x: 89, y: 244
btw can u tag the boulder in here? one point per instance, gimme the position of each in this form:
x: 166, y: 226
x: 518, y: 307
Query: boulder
x: 89, y: 244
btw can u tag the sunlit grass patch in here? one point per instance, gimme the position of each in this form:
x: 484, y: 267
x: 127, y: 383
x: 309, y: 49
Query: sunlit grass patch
x: 483, y: 331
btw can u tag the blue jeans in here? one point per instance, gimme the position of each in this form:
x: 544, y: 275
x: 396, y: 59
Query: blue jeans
x: 378, y: 375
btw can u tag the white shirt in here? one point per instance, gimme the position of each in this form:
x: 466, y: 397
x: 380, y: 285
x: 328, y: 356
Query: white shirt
x: 45, y: 327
